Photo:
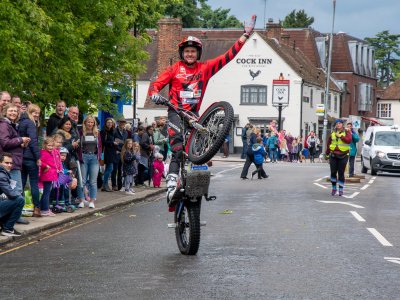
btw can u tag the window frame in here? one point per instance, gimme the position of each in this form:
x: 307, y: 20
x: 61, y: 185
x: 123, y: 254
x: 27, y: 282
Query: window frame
x: 259, y: 87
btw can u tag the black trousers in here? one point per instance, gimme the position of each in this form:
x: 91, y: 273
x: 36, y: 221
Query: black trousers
x: 352, y: 159
x: 247, y: 164
x: 116, y: 175
x: 175, y: 133
x: 338, y: 166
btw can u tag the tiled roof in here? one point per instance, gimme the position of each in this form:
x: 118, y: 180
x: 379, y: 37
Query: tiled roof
x: 392, y: 92
x: 301, y: 64
x: 304, y: 39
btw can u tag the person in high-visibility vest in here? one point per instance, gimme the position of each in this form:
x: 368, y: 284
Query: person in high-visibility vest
x: 337, y: 150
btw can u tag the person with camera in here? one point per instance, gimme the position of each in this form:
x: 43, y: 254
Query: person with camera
x: 337, y: 151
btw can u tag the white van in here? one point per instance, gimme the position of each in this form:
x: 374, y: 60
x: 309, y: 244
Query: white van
x: 381, y: 149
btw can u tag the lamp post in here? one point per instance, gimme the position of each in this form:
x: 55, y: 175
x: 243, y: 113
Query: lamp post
x: 328, y: 76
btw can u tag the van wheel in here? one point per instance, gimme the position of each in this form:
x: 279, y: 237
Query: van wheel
x: 373, y: 171
x: 363, y: 168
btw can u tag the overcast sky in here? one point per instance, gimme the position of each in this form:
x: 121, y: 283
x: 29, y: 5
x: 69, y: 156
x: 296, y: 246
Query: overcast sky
x: 359, y: 18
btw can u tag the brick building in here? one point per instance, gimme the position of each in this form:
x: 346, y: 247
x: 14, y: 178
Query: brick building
x: 352, y: 65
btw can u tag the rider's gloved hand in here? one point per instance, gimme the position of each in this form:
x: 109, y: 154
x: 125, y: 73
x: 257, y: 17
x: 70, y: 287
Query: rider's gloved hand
x: 157, y: 99
x: 248, y: 28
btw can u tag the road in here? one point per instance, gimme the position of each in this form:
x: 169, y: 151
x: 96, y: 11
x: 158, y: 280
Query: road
x: 283, y: 237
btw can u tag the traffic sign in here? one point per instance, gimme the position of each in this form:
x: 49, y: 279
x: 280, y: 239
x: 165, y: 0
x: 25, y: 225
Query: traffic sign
x: 320, y: 110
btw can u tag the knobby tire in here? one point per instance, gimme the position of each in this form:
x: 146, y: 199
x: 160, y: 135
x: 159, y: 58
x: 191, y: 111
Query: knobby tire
x: 187, y: 229
x: 218, y: 119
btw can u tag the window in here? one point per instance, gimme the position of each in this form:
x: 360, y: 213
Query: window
x: 312, y: 98
x: 253, y: 95
x: 306, y: 99
x: 387, y: 138
x: 365, y: 95
x: 335, y: 104
x: 329, y: 104
x: 322, y: 98
x: 384, y: 110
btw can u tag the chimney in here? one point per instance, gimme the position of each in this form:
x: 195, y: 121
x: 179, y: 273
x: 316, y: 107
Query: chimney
x: 285, y: 37
x: 169, y: 36
x: 274, y: 30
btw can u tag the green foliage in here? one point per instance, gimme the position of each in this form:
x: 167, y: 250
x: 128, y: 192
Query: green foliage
x: 387, y: 53
x: 52, y: 49
x: 218, y: 18
x: 297, y: 19
x: 198, y: 14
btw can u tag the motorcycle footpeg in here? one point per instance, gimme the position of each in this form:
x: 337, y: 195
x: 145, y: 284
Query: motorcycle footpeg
x: 211, y: 198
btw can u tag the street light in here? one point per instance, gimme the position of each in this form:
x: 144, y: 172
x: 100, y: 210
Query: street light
x: 328, y: 76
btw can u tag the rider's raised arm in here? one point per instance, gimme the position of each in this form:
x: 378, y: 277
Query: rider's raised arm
x: 165, y: 78
x: 216, y: 64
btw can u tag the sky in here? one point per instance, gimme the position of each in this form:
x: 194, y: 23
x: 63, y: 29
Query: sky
x: 359, y: 18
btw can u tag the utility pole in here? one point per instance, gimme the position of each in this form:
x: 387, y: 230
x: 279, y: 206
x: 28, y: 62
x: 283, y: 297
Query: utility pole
x: 134, y: 100
x: 328, y: 77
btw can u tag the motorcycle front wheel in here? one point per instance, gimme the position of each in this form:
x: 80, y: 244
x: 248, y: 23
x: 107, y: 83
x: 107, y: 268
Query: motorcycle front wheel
x: 217, y: 120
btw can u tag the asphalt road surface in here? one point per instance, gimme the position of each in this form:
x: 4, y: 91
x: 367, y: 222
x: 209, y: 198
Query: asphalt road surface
x: 283, y: 237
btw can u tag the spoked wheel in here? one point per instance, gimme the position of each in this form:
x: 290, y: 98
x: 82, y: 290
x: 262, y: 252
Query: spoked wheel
x: 187, y: 230
x: 217, y: 120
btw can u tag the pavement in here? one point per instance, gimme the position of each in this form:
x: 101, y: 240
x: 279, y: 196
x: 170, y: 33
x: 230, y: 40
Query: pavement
x: 105, y: 201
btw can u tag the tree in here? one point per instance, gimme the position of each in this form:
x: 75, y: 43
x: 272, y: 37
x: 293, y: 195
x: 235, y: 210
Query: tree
x: 387, y: 53
x: 198, y: 14
x: 218, y: 18
x: 297, y: 20
x: 73, y: 49
x: 187, y: 11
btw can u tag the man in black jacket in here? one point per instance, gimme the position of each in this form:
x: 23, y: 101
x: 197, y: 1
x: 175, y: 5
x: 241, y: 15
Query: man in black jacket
x: 11, y: 202
x: 55, y: 118
x: 120, y: 134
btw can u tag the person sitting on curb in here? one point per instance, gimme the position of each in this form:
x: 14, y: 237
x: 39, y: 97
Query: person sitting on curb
x: 11, y: 201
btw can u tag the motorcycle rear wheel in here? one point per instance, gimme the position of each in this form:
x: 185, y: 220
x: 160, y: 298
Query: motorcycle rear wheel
x: 187, y: 230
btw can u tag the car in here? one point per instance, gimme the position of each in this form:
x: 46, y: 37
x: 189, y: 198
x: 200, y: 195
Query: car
x: 381, y: 150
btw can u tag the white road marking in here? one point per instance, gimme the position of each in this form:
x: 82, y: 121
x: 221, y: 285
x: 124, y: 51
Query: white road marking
x: 357, y: 216
x: 395, y: 260
x: 371, y: 181
x: 351, y: 196
x: 319, y: 179
x: 341, y: 202
x: 379, y: 237
x: 216, y: 175
x: 320, y: 185
x: 364, y: 187
x: 374, y: 177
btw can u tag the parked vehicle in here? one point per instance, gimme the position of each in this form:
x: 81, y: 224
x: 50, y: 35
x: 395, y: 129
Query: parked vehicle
x: 381, y: 150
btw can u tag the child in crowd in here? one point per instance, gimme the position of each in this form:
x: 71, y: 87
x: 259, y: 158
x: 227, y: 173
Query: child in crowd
x: 49, y: 169
x: 136, y: 151
x: 128, y: 159
x: 284, y: 149
x: 69, y: 182
x: 295, y: 146
x: 259, y: 155
x: 158, y: 169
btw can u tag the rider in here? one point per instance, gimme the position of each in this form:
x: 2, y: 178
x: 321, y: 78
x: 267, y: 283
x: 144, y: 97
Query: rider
x: 188, y: 79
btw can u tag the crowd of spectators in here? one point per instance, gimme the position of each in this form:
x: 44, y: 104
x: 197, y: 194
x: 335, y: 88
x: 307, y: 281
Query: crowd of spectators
x: 68, y: 165
x: 279, y: 146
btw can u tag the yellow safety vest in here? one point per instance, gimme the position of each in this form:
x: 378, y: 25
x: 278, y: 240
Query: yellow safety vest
x: 337, y: 142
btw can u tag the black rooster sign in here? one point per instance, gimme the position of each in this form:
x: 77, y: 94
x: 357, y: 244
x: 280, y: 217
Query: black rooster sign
x: 254, y: 74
